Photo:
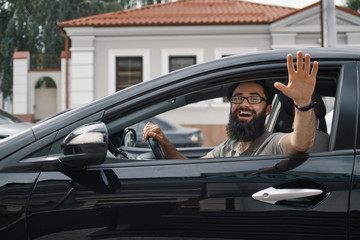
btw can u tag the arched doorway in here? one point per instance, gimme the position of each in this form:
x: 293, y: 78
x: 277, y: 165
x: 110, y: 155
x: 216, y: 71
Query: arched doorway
x: 45, y: 98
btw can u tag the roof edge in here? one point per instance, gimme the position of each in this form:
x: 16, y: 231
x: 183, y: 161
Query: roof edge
x: 297, y: 11
x: 348, y: 10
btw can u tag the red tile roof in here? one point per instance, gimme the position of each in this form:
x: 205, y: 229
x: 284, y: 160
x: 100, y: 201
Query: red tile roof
x: 21, y: 54
x: 187, y: 12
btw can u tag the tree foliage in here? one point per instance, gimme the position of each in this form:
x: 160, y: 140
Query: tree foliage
x: 31, y: 25
x: 353, y: 4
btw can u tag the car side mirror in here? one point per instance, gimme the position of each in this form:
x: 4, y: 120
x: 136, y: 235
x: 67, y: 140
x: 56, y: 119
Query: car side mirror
x: 129, y: 137
x: 86, y: 145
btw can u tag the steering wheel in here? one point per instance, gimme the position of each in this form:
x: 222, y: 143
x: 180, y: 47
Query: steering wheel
x: 155, y: 147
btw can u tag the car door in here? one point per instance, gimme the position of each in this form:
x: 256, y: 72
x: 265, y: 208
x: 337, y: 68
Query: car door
x: 228, y: 198
x: 15, y: 189
x: 355, y: 193
x: 194, y: 198
x: 16, y: 185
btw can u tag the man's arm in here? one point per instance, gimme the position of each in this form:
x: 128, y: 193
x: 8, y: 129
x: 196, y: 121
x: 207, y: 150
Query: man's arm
x: 169, y: 150
x: 300, y: 88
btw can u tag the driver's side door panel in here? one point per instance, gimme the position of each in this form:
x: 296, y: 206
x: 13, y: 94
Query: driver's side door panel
x: 207, y: 198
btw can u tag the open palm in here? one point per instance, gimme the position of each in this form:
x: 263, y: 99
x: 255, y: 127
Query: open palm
x: 301, y: 81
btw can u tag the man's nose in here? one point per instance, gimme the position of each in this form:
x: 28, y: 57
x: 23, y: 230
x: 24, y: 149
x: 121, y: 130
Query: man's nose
x: 245, y: 102
x: 244, y: 105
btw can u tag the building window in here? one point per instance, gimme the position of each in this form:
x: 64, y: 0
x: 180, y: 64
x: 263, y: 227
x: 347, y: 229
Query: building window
x: 129, y: 71
x: 178, y: 62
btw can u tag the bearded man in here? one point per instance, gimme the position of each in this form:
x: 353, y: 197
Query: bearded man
x: 250, y: 104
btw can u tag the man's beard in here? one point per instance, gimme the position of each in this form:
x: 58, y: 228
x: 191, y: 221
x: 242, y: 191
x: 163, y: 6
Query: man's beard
x: 242, y: 130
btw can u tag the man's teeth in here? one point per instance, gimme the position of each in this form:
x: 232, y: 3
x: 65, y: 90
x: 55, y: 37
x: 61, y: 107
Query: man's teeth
x: 245, y: 114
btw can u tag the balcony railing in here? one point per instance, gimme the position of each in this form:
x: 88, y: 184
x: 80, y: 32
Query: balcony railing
x: 45, y: 61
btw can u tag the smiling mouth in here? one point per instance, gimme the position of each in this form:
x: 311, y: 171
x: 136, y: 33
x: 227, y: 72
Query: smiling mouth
x: 244, y: 114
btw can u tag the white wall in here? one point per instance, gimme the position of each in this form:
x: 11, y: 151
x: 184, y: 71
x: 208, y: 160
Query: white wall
x: 82, y: 82
x: 24, y: 81
x: 33, y: 78
x: 155, y: 43
x: 20, y: 85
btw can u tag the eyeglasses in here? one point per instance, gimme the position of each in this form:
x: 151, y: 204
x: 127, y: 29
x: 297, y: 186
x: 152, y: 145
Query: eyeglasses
x: 250, y: 100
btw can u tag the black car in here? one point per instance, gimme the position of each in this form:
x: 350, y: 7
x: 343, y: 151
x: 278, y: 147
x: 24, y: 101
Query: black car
x: 78, y: 175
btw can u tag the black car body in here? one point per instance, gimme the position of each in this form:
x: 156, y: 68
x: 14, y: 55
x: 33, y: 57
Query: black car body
x: 57, y: 188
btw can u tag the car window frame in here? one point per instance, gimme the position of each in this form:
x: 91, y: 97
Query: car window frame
x: 244, y: 76
x: 357, y: 108
x: 344, y: 124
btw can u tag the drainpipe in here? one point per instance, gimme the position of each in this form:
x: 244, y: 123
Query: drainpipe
x: 328, y: 10
x: 67, y: 54
x: 321, y: 24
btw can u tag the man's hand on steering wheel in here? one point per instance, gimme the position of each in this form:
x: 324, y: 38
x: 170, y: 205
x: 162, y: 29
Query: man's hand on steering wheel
x: 164, y: 145
x: 154, y: 131
x: 156, y: 138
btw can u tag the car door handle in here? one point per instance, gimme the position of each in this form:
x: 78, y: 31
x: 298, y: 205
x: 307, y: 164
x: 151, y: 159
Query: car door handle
x: 273, y: 195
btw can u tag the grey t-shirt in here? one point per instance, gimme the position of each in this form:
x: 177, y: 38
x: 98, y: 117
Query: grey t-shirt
x: 266, y: 144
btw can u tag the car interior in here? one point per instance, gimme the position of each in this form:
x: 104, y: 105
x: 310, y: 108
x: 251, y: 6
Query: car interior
x: 280, y: 120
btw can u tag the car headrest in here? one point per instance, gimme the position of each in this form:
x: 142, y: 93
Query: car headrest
x: 288, y: 105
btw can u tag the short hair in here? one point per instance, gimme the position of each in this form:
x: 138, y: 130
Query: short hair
x: 268, y: 90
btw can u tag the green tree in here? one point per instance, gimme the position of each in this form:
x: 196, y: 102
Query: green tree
x: 353, y: 4
x: 32, y: 25
x: 17, y: 32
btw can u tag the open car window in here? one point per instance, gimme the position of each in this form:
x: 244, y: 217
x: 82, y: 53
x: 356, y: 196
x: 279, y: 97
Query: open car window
x: 198, y: 119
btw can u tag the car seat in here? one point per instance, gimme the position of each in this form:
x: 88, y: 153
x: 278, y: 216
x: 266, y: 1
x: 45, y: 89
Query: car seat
x: 322, y: 138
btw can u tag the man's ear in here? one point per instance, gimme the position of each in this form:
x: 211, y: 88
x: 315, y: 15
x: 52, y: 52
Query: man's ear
x: 268, y: 109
